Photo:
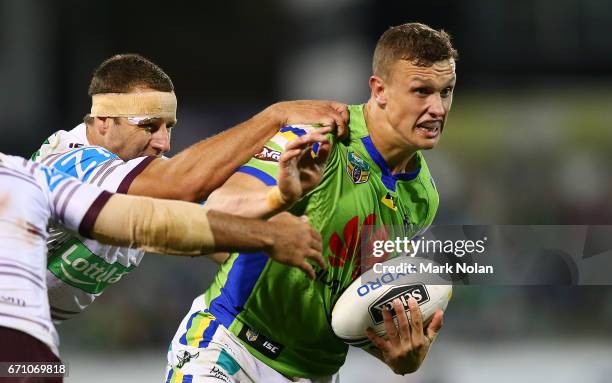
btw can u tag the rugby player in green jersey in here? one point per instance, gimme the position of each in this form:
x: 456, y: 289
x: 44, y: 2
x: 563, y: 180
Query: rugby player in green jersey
x: 264, y: 322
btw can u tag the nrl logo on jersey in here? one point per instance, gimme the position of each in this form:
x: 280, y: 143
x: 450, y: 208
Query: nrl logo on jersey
x: 357, y: 168
x: 268, y: 154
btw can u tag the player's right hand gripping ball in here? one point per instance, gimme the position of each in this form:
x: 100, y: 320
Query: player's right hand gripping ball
x: 361, y: 305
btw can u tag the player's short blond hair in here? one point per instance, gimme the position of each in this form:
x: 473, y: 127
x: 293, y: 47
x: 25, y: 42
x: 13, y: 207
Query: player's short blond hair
x: 414, y: 42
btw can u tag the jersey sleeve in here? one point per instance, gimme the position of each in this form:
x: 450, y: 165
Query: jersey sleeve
x: 264, y: 165
x: 98, y: 166
x: 71, y: 202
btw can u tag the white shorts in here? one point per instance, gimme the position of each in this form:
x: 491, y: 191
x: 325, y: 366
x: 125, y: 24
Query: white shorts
x: 223, y: 359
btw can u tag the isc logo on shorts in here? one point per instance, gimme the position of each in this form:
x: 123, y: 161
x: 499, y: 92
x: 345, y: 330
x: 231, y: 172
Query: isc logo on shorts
x: 266, y: 346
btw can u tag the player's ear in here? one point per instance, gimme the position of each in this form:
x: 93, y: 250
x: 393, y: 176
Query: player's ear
x: 377, y: 87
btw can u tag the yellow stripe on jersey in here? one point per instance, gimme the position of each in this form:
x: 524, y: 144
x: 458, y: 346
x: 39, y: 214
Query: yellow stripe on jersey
x: 290, y: 133
x: 177, y: 376
x: 199, y: 324
x: 289, y: 136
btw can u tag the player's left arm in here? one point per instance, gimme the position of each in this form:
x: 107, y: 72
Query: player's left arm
x: 268, y: 192
x: 173, y: 227
x: 184, y: 228
x: 195, y: 172
x: 408, y: 342
x: 258, y: 193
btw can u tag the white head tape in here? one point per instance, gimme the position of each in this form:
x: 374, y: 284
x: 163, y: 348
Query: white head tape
x: 139, y: 106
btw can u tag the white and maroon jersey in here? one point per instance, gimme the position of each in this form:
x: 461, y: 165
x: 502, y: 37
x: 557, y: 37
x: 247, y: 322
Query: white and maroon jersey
x: 80, y: 269
x: 31, y: 195
x: 61, y: 141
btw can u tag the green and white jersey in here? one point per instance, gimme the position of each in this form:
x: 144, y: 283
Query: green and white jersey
x: 80, y: 269
x: 280, y: 315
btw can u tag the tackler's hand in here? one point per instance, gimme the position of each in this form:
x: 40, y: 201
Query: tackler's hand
x: 295, y: 242
x: 331, y: 114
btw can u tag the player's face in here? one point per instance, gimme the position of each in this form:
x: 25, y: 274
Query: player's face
x: 149, y: 138
x: 418, y: 101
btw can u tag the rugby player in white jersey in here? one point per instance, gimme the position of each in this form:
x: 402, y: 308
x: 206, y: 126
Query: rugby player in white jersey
x: 133, y: 112
x: 32, y: 194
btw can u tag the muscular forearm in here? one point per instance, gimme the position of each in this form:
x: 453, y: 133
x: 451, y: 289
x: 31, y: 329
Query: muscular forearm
x: 240, y: 234
x: 248, y: 194
x: 177, y: 228
x: 160, y: 226
x: 192, y: 174
x: 258, y: 202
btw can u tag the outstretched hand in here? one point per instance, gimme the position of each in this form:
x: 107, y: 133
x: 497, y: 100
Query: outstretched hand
x: 295, y: 242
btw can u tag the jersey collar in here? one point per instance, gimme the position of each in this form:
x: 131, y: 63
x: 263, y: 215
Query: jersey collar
x: 387, y: 177
x: 80, y: 131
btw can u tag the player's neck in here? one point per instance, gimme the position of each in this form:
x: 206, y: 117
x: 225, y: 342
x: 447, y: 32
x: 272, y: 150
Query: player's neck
x: 386, y: 140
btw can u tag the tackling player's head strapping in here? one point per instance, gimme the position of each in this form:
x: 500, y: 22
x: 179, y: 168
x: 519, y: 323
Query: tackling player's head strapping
x: 133, y: 107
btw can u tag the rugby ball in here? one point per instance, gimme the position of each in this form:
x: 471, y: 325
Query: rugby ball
x: 361, y: 305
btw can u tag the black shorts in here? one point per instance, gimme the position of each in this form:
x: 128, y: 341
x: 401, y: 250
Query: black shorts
x: 17, y: 346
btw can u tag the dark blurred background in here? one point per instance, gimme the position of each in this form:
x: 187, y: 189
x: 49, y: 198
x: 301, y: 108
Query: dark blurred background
x: 528, y: 142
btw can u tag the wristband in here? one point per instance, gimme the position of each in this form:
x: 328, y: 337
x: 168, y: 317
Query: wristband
x: 275, y: 199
